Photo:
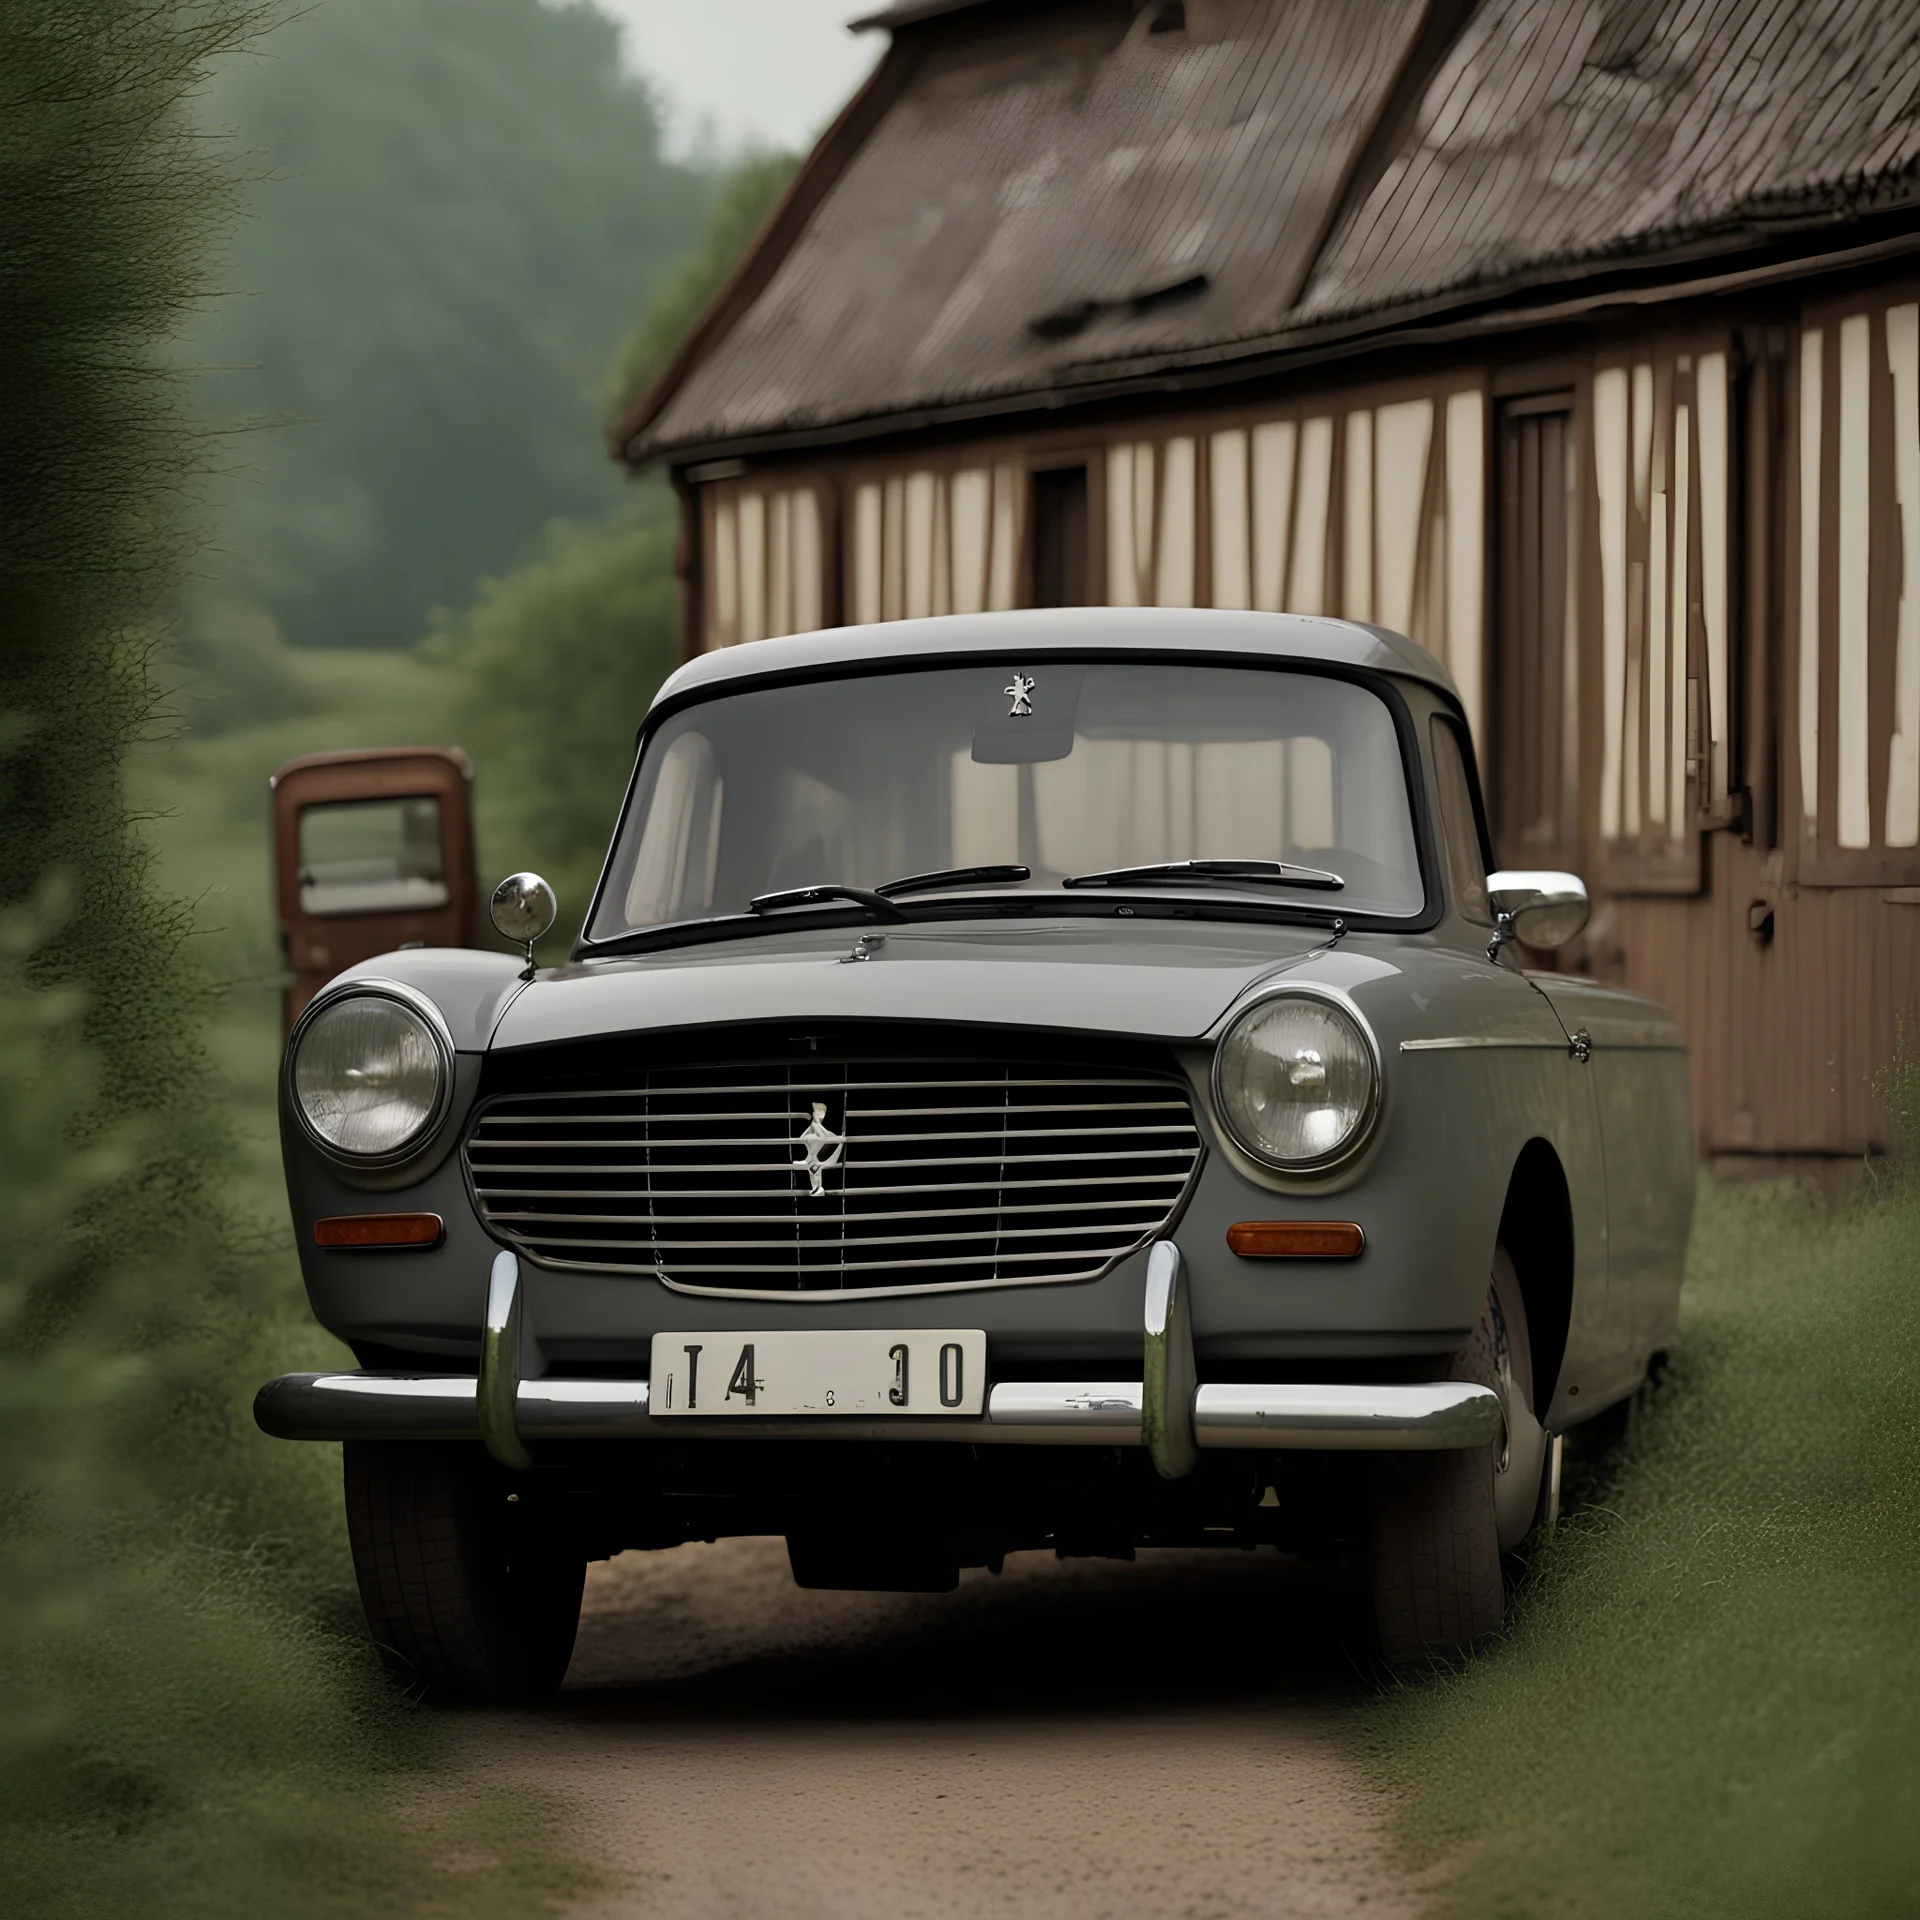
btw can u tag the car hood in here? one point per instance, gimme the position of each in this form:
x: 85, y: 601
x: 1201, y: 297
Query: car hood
x: 1161, y: 981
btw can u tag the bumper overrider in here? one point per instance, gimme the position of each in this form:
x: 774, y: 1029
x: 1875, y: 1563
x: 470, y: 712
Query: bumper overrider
x: 512, y: 1408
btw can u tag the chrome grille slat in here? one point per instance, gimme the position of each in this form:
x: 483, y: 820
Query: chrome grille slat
x: 831, y: 1219
x: 896, y: 1113
x: 923, y: 1160
x: 1026, y: 1133
x: 693, y: 1174
x: 759, y: 1193
x: 670, y: 1089
x: 842, y: 1239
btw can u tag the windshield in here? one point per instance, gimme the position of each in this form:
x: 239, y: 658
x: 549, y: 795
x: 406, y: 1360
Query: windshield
x: 1069, y: 768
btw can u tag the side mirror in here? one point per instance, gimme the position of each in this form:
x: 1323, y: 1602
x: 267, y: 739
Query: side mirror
x: 523, y: 908
x: 1544, y: 910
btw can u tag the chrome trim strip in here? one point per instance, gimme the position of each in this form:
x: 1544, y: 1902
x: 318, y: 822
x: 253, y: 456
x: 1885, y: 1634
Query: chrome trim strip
x: 867, y: 1163
x: 1396, y: 1419
x: 1095, y: 1413
x: 691, y: 1090
x: 583, y: 1409
x: 496, y: 1144
x: 1455, y: 1042
x: 904, y: 1113
x: 922, y: 1186
x: 809, y: 1219
x: 427, y: 1388
x: 1048, y: 1257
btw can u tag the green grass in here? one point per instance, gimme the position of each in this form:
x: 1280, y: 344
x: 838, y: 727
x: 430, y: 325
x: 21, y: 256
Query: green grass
x: 1707, y: 1701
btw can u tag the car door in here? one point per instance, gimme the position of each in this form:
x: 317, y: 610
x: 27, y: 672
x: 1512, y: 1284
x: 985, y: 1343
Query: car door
x: 372, y: 851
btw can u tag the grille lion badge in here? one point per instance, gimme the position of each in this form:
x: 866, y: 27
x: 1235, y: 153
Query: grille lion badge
x: 820, y: 1148
x: 1021, y: 694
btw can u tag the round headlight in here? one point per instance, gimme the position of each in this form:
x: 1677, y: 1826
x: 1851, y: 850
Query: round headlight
x: 1296, y: 1082
x: 369, y: 1075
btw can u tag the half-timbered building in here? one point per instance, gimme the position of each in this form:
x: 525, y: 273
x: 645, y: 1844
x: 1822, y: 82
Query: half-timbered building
x: 1578, y: 339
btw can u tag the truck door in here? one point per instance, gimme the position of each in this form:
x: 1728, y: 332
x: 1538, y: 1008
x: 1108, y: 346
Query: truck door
x: 372, y: 851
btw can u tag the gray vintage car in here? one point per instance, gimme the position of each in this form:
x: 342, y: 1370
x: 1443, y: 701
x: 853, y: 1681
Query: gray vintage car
x: 1059, y: 1079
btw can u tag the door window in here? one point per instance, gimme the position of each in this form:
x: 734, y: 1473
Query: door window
x: 1466, y: 869
x: 372, y: 856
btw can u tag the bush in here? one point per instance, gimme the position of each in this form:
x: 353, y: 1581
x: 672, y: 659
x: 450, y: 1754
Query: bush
x: 556, y: 666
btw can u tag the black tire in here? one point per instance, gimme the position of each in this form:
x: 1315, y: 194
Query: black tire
x: 1437, y: 1583
x: 469, y: 1597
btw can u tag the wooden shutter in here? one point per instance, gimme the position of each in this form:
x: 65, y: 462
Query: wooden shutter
x: 1060, y: 576
x: 1533, y: 765
x: 1661, y: 611
x: 1854, y: 746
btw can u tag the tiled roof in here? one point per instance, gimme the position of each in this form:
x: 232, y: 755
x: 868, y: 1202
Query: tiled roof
x: 1569, y: 130
x: 1066, y: 191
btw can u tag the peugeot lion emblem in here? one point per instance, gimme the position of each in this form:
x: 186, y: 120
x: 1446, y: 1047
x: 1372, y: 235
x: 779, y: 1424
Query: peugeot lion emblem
x: 820, y: 1148
x: 1021, y: 694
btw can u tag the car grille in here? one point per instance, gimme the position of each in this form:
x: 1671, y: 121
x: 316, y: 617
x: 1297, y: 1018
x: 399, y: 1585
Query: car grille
x: 955, y: 1174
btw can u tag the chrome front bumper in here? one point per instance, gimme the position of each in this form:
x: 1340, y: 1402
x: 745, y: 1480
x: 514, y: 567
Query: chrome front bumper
x: 1105, y: 1413
x: 1165, y: 1411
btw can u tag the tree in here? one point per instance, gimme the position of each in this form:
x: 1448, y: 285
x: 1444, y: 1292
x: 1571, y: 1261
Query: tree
x: 746, y: 197
x: 468, y: 199
x: 559, y: 659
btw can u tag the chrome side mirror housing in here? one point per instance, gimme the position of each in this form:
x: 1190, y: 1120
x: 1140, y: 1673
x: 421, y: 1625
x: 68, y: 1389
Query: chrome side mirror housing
x: 523, y: 908
x: 1541, y: 909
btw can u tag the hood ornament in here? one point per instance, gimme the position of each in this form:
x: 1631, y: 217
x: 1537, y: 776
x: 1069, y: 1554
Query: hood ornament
x: 820, y: 1148
x: 1021, y: 694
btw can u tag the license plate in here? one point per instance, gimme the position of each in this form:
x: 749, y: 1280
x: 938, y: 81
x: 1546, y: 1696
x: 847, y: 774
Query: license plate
x: 818, y: 1371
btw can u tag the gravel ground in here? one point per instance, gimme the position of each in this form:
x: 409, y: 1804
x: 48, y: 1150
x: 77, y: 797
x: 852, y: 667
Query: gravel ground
x: 1082, y: 1739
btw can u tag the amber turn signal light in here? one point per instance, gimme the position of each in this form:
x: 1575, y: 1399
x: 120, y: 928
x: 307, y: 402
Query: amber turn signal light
x: 1297, y: 1239
x: 356, y: 1232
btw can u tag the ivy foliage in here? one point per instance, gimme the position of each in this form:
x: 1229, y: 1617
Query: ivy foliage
x: 189, y: 1725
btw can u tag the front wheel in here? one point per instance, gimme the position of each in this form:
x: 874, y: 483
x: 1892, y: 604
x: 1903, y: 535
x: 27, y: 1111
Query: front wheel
x: 469, y: 1595
x: 1442, y: 1520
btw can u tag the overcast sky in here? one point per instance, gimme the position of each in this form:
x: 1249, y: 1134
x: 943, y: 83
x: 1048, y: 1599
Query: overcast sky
x: 741, y: 73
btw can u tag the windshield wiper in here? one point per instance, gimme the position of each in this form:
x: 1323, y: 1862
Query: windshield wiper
x: 954, y: 877
x: 879, y: 900
x: 1273, y: 873
x: 826, y: 894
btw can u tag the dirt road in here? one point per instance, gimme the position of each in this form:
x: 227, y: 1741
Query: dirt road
x: 1078, y: 1740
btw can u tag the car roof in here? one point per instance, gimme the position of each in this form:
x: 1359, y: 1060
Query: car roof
x: 1306, y: 638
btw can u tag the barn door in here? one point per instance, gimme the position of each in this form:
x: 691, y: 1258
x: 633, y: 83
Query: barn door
x: 1532, y: 769
x: 1059, y: 518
